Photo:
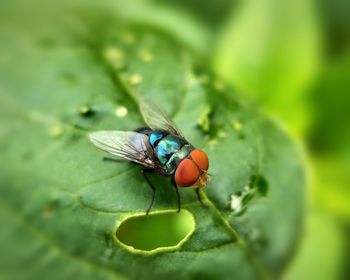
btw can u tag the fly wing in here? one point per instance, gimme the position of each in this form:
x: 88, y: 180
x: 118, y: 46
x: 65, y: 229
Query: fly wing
x: 127, y: 145
x: 157, y: 119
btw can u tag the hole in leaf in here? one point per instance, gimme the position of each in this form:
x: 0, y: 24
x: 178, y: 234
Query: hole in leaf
x: 165, y: 230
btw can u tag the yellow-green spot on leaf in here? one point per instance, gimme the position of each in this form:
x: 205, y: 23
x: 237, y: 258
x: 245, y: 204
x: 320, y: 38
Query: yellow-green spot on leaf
x: 204, y: 121
x: 237, y: 125
x: 134, y: 79
x: 146, y: 55
x: 121, y: 111
x: 222, y: 134
x: 113, y: 53
x: 56, y: 130
x: 128, y: 38
x: 114, y: 56
x: 212, y: 144
x: 219, y: 85
x: 159, y: 231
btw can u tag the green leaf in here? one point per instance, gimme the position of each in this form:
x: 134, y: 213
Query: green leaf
x: 67, y: 70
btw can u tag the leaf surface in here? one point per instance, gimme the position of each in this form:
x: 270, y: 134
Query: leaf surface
x: 84, y: 69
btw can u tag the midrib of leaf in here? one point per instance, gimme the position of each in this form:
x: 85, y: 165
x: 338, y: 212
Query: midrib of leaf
x: 26, y: 225
x: 261, y: 269
x: 122, y: 86
x: 96, y: 50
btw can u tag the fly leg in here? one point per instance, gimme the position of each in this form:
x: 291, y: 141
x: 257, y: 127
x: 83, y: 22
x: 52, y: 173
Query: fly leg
x: 144, y: 174
x: 111, y: 159
x: 199, y: 198
x: 177, y: 194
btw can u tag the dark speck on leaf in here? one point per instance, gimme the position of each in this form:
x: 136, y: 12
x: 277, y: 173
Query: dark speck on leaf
x: 86, y: 111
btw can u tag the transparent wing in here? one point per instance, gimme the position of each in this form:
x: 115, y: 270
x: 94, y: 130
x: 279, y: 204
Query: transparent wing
x: 127, y: 145
x: 157, y: 119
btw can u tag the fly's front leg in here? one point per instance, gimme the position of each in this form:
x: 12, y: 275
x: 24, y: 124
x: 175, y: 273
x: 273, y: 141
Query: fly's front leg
x: 144, y: 174
x: 177, y: 193
x: 199, y: 198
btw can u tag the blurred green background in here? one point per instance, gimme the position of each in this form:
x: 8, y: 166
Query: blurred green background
x: 292, y: 59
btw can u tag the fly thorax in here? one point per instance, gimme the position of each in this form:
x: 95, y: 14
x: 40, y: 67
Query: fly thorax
x: 168, y: 146
x: 176, y: 158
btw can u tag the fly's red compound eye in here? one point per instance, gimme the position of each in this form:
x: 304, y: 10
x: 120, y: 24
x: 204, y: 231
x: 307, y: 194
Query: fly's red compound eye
x: 200, y: 158
x: 187, y: 173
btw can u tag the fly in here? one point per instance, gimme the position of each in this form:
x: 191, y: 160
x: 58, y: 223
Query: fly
x: 160, y: 147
